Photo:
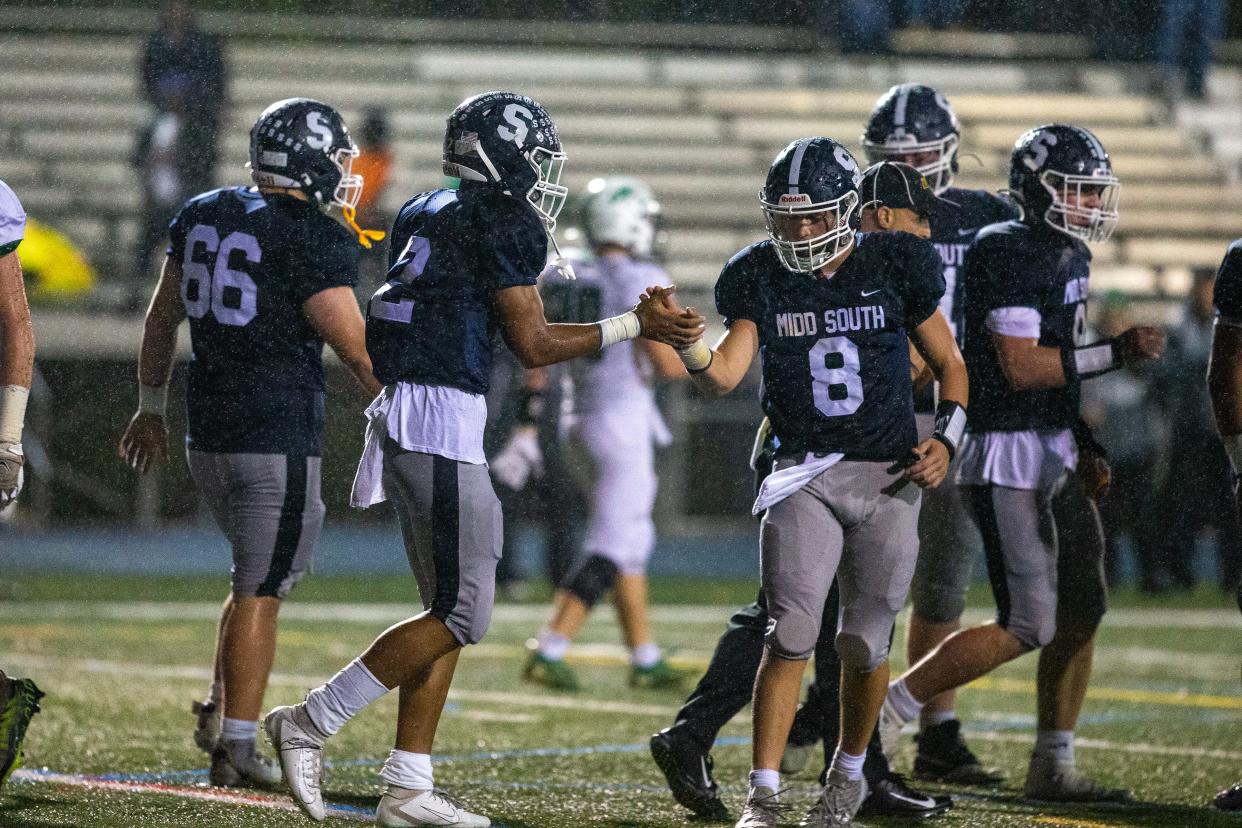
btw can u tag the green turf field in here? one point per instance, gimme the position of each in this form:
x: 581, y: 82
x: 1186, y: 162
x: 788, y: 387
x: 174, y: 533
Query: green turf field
x: 121, y: 659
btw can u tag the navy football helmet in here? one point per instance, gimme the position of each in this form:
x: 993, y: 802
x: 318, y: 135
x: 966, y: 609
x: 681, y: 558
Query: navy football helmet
x: 915, y: 120
x: 509, y: 140
x: 1062, y: 176
x: 812, y: 177
x: 303, y: 144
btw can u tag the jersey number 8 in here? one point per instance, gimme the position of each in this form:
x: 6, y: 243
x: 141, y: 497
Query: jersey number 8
x: 836, y: 384
x: 230, y: 295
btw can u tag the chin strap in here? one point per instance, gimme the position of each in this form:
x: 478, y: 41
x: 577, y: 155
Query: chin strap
x: 365, y: 237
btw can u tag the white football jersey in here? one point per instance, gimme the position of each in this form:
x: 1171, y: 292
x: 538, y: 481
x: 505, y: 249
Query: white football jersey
x: 12, y: 217
x: 619, y: 377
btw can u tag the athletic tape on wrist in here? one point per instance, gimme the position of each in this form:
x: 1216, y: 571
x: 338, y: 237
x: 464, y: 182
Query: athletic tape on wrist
x: 618, y: 329
x: 1090, y: 360
x: 152, y: 399
x: 697, y: 358
x: 12, y: 412
x: 950, y: 425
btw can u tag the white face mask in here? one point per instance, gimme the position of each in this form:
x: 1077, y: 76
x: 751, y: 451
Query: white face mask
x: 1067, y: 212
x: 811, y: 254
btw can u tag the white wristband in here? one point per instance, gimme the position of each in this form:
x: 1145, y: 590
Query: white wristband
x: 618, y: 329
x: 1233, y: 447
x: 152, y: 399
x: 12, y: 412
x: 697, y: 357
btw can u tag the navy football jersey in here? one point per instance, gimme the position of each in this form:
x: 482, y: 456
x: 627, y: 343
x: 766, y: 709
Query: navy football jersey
x: 249, y: 262
x: 953, y: 228
x: 836, y: 367
x: 1014, y: 265
x: 1228, y: 294
x: 432, y: 323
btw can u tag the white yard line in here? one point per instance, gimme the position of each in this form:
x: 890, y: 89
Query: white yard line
x: 714, y: 615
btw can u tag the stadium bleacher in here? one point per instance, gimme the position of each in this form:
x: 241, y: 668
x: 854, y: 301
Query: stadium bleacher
x: 700, y: 129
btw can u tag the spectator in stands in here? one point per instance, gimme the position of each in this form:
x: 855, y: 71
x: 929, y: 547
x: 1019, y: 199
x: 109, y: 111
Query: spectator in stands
x: 859, y: 26
x: 158, y: 156
x: 375, y: 163
x: 936, y: 14
x: 1123, y: 414
x: 1198, y: 494
x: 1188, y: 33
x: 181, y: 59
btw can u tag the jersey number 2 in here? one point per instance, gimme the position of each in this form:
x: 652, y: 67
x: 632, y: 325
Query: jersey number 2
x: 836, y: 384
x: 230, y: 295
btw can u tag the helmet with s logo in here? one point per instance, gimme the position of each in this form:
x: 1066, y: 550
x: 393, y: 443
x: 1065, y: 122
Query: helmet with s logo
x: 811, y: 180
x: 914, y: 124
x: 303, y: 144
x: 1061, y: 174
x: 508, y: 140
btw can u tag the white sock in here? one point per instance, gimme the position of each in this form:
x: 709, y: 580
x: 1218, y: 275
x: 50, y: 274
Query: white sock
x: 848, y: 764
x: 905, y: 705
x: 931, y: 718
x: 1057, y: 745
x: 552, y: 645
x: 216, y: 694
x: 332, y: 704
x: 239, y: 730
x: 645, y: 655
x: 766, y: 778
x: 408, y: 770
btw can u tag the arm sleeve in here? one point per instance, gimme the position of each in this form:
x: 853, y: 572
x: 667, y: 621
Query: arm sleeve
x: 12, y: 220
x: 514, y: 252
x: 333, y: 262
x: 924, y: 278
x: 1228, y: 293
x: 736, y: 293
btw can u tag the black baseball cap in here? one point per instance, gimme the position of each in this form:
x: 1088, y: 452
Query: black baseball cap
x: 899, y: 186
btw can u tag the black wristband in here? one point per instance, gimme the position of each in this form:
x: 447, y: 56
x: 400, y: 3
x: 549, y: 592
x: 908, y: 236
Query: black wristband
x: 530, y: 407
x: 950, y: 425
x: 1090, y: 360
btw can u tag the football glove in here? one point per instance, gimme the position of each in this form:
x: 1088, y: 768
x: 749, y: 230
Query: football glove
x: 11, y: 476
x: 519, y: 460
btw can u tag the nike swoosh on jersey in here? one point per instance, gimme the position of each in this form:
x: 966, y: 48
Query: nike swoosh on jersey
x: 969, y: 231
x: 871, y: 293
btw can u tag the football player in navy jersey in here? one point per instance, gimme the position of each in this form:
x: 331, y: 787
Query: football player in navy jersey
x: 463, y: 265
x: 915, y: 124
x: 832, y: 311
x: 265, y: 277
x: 1225, y: 387
x: 894, y: 198
x: 1026, y: 285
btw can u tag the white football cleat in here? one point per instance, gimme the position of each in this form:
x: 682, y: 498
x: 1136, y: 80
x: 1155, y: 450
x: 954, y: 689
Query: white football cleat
x: 207, y: 730
x: 1058, y: 781
x: 837, y: 804
x: 300, y: 746
x: 763, y: 809
x: 403, y: 807
x: 254, y: 769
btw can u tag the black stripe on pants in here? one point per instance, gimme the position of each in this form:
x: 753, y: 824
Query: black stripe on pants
x: 289, y: 535
x: 445, y: 534
x: 985, y: 515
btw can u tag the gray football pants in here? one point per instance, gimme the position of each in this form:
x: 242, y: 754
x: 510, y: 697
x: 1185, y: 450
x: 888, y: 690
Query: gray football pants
x: 451, y: 524
x: 949, y: 545
x: 859, y: 524
x: 1045, y: 554
x: 268, y: 506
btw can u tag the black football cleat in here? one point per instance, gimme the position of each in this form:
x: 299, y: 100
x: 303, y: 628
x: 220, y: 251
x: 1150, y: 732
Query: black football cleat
x: 689, y: 775
x: 943, y: 757
x: 1229, y: 799
x: 892, y: 796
